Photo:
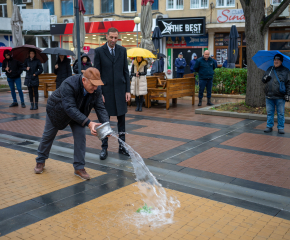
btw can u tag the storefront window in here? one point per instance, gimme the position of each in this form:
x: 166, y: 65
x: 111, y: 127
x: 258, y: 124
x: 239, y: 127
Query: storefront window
x: 3, y: 8
x: 280, y: 36
x: 222, y: 39
x: 67, y: 8
x: 129, y: 6
x: 174, y: 4
x: 89, y: 6
x: 279, y: 39
x: 49, y: 4
x: 43, y: 42
x: 198, y: 4
x: 107, y: 6
x: 155, y: 5
x: 225, y: 3
x: 31, y: 40
x: 280, y: 45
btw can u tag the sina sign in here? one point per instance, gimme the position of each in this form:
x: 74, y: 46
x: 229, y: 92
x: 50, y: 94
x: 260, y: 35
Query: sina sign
x: 182, y: 26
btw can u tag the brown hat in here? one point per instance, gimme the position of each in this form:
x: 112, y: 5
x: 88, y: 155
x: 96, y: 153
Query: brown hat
x: 94, y: 76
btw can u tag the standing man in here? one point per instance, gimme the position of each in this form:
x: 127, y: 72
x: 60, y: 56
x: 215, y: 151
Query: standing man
x: 205, y: 67
x: 274, y: 97
x: 180, y: 64
x: 111, y: 60
x: 13, y: 69
x: 71, y: 104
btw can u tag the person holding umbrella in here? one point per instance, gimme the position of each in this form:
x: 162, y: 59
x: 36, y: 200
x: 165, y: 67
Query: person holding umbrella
x: 86, y: 63
x: 33, y: 68
x: 277, y: 90
x: 139, y: 82
x: 62, y: 69
x: 13, y: 69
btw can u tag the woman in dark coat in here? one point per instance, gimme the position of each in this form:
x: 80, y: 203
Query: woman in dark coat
x: 62, y: 69
x: 33, y: 68
x: 85, y: 64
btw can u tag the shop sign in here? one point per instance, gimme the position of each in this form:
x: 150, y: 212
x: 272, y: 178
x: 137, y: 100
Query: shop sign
x: 182, y: 26
x: 86, y: 49
x: 233, y: 15
x: 169, y: 59
x: 182, y: 42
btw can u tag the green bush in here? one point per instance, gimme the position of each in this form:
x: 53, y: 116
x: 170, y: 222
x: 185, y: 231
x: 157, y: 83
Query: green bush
x: 230, y: 81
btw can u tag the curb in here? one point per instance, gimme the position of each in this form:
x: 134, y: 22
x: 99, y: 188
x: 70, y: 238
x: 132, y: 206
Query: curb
x: 260, y: 117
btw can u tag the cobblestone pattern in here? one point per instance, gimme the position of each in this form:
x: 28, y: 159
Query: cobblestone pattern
x: 3, y: 115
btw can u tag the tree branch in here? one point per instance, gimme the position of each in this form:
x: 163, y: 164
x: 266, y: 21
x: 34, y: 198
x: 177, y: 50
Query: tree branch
x: 274, y: 15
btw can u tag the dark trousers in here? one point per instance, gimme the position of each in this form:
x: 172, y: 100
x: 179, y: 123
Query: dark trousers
x: 205, y: 84
x: 121, y: 129
x: 12, y: 82
x: 79, y: 135
x: 32, y: 90
x: 179, y: 75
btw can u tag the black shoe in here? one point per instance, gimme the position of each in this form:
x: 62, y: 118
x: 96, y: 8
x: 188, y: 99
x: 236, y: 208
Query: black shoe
x: 35, y: 106
x: 281, y: 131
x: 140, y: 104
x: 32, y: 106
x: 209, y: 102
x: 23, y: 105
x: 14, y: 104
x: 137, y: 103
x: 200, y: 102
x: 124, y: 151
x: 103, y: 154
x: 267, y: 130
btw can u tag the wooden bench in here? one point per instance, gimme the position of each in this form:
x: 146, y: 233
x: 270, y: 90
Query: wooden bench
x: 175, y: 88
x: 47, y: 83
x: 152, y: 82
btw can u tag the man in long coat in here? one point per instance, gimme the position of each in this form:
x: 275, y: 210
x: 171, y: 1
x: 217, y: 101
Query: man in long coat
x: 111, y: 61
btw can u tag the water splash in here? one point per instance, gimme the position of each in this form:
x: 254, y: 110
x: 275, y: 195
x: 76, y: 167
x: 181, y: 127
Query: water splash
x: 152, y: 194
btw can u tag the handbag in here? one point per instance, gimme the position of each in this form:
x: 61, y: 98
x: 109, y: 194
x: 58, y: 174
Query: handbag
x: 282, y: 87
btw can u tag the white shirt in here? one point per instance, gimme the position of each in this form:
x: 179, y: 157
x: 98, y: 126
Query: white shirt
x: 110, y: 49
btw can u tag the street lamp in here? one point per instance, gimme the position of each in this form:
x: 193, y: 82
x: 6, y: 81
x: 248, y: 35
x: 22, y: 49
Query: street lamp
x: 137, y: 21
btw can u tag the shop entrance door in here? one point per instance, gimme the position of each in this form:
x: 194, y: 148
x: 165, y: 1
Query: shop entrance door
x: 187, y: 55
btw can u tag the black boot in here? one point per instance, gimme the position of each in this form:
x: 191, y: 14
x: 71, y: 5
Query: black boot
x: 209, y: 102
x: 32, y: 106
x: 35, y: 106
x: 200, y: 102
x: 140, y: 103
x: 137, y: 100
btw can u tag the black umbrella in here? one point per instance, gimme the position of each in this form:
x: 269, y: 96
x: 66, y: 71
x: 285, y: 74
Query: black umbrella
x: 59, y: 51
x: 233, y: 49
x: 156, y: 40
x: 162, y: 55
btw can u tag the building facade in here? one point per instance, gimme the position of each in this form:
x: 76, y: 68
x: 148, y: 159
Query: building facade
x: 218, y: 15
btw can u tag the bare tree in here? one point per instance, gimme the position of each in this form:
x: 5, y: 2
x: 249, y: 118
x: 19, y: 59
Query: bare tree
x: 256, y: 26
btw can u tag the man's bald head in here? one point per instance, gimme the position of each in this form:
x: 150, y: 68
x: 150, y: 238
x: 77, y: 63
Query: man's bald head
x: 206, y: 54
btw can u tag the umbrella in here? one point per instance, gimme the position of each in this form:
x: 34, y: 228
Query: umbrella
x: 16, y: 26
x: 233, y: 49
x: 156, y: 36
x: 146, y: 26
x: 22, y: 52
x: 82, y: 32
x: 59, y: 51
x: 140, y: 52
x: 265, y: 59
x: 2, y: 49
x: 162, y: 55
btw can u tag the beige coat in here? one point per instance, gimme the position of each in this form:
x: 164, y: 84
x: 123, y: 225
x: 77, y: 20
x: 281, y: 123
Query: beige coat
x: 139, y: 84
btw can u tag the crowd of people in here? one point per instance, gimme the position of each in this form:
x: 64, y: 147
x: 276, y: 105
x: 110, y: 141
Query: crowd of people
x: 107, y: 87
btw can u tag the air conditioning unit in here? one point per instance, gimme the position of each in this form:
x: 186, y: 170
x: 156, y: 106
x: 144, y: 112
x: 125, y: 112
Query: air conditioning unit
x: 108, y: 19
x: 26, y: 1
x: 53, y: 19
x: 68, y: 20
x: 285, y: 13
x: 158, y: 16
x: 86, y: 19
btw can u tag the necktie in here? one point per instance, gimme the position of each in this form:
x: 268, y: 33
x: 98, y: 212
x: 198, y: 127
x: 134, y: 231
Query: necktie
x: 113, y: 52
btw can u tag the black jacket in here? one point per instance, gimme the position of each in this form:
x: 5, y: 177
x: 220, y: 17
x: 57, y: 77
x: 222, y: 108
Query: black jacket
x: 140, y: 73
x: 83, y: 67
x: 15, y: 67
x: 35, y: 68
x: 204, y: 68
x: 63, y: 71
x: 63, y: 106
x: 272, y: 87
x: 115, y: 76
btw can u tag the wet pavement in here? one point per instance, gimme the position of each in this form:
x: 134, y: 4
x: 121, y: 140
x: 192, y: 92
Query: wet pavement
x: 231, y: 179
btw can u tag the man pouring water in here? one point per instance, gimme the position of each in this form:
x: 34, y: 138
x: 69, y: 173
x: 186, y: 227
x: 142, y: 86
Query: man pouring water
x: 71, y: 105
